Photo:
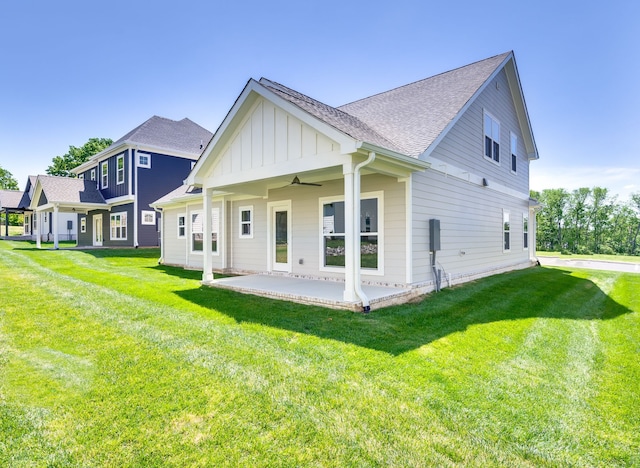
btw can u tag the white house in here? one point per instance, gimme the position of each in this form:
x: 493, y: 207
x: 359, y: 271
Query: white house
x: 422, y: 186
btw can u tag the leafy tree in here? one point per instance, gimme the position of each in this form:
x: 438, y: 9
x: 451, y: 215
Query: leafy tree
x: 551, y: 219
x: 7, y: 181
x: 62, y: 165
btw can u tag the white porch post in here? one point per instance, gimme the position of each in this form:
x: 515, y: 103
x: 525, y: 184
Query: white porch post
x: 55, y: 226
x: 38, y: 227
x: 222, y: 234
x: 207, y: 255
x: 349, y: 235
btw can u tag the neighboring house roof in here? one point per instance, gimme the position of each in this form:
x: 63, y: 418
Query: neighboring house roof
x: 68, y: 191
x: 10, y: 199
x: 183, y: 137
x: 181, y: 193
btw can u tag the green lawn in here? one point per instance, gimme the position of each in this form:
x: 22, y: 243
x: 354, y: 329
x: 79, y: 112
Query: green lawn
x: 611, y: 258
x: 108, y: 359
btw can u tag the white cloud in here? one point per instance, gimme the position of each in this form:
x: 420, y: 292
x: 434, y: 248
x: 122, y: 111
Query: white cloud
x: 621, y: 181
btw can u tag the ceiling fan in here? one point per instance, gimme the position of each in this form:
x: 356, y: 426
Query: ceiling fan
x: 296, y: 181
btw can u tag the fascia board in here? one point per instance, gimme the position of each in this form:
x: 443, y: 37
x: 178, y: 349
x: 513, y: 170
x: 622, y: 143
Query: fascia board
x: 521, y: 108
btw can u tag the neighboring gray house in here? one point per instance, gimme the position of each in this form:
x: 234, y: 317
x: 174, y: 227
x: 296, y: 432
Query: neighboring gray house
x: 424, y: 184
x: 115, y: 187
x: 37, y: 226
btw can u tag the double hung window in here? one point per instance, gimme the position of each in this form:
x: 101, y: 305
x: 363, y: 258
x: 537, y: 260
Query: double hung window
x: 491, y: 138
x: 118, y: 226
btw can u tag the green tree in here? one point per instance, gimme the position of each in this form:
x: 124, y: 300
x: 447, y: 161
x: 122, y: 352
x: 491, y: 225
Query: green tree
x: 634, y: 203
x: 7, y: 181
x: 577, y: 223
x: 551, y: 219
x: 62, y: 165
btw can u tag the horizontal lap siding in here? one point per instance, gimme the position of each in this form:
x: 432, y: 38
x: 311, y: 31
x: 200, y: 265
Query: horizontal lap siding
x: 471, y: 215
x: 174, y: 247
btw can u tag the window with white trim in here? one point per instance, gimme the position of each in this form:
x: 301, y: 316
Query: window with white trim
x: 104, y: 174
x: 81, y: 177
x: 148, y: 217
x: 144, y: 160
x: 514, y: 152
x: 118, y: 226
x: 491, y: 138
x: 506, y: 231
x: 197, y: 230
x: 83, y: 224
x: 120, y: 170
x: 93, y: 174
x: 333, y: 232
x: 246, y: 221
x: 525, y: 230
x: 182, y: 226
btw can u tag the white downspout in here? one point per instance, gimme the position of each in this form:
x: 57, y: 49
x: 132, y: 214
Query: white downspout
x: 135, y: 200
x: 356, y: 241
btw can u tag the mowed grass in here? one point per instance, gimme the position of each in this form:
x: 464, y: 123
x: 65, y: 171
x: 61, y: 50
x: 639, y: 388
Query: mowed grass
x: 108, y: 359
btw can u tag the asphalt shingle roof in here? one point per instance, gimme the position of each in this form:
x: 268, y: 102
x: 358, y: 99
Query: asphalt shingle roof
x: 178, y: 135
x: 70, y: 190
x: 405, y: 119
x: 10, y: 199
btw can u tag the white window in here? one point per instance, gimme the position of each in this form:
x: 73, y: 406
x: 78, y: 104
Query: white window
x: 333, y: 232
x: 148, y: 217
x: 491, y: 138
x: 144, y: 160
x: 83, y: 224
x: 104, y: 173
x: 197, y: 230
x: 81, y: 176
x: 514, y: 153
x: 120, y: 171
x: 525, y: 230
x: 246, y: 221
x: 506, y: 231
x: 119, y: 226
x: 93, y: 174
x: 182, y: 226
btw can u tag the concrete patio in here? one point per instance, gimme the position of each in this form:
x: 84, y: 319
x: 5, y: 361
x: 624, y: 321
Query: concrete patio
x: 319, y: 292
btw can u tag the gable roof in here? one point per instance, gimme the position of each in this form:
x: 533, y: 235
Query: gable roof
x: 337, y: 118
x: 414, y: 115
x: 184, y: 136
x: 67, y: 191
x: 10, y: 199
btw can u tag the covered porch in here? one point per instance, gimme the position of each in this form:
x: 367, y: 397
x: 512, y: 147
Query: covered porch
x: 324, y: 293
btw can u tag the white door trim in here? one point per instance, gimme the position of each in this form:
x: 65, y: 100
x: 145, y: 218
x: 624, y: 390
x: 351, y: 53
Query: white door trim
x: 98, y: 231
x: 272, y: 260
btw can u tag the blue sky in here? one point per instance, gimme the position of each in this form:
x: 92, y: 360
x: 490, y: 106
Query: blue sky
x: 72, y: 70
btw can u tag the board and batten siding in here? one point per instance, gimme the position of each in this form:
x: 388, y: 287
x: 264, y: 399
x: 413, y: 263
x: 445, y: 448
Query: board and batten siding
x: 269, y: 138
x: 470, y: 214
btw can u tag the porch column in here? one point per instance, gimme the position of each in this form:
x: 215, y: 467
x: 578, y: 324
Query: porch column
x: 207, y: 255
x: 55, y: 226
x: 349, y: 235
x: 38, y: 227
x: 6, y: 222
x: 222, y: 234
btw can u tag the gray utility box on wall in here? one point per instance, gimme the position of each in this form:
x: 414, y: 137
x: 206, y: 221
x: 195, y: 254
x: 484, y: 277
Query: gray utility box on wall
x: 434, y: 235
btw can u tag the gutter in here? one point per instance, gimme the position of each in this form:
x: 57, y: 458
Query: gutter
x: 356, y: 215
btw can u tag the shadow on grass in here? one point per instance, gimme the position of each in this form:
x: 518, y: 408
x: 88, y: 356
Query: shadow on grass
x: 531, y: 293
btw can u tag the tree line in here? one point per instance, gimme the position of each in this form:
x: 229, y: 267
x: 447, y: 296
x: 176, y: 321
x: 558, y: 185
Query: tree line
x: 587, y: 221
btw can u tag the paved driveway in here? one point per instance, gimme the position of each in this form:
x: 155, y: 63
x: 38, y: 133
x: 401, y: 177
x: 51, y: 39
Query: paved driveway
x: 590, y: 264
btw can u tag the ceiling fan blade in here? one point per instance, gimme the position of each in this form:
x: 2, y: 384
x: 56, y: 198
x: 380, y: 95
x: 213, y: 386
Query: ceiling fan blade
x: 296, y: 181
